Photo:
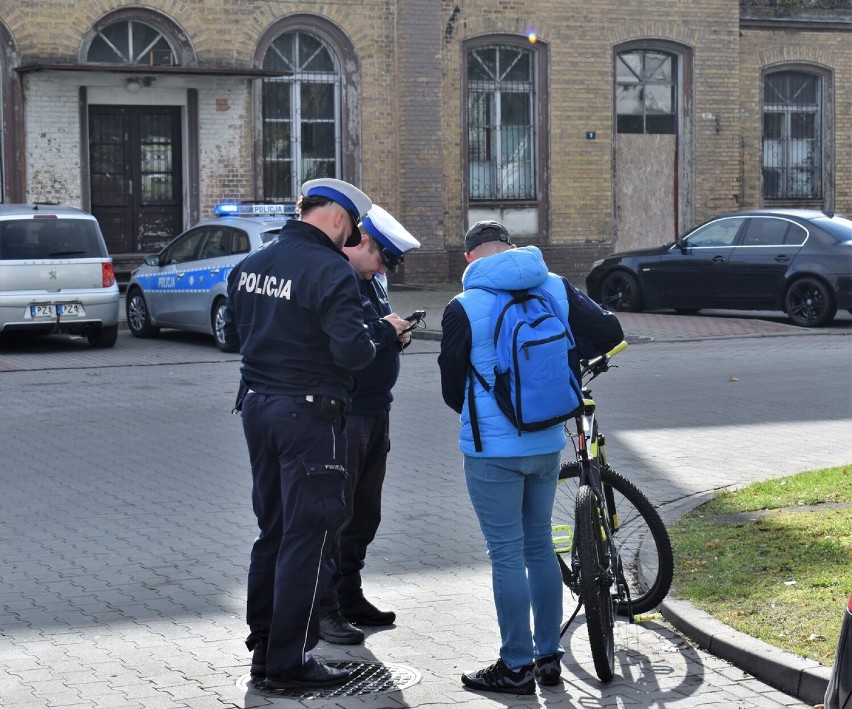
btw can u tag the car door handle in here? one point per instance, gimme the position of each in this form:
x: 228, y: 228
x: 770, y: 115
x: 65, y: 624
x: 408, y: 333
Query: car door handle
x: 782, y: 258
x: 214, y: 271
x: 719, y: 259
x: 180, y: 274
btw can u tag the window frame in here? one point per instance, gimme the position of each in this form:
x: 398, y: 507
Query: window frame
x: 177, y: 40
x: 821, y: 195
x: 539, y: 125
x: 346, y: 97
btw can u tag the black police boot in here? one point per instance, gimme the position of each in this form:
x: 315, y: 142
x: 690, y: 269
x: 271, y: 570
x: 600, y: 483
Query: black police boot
x: 361, y: 612
x: 315, y: 674
x: 334, y: 628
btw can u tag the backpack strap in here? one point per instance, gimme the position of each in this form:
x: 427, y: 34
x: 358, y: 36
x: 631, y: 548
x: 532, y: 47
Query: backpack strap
x: 471, y: 409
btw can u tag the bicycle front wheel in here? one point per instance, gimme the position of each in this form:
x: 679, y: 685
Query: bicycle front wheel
x: 640, y: 537
x: 596, y: 581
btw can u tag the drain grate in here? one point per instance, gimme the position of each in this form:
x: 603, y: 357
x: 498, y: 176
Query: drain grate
x: 366, y: 678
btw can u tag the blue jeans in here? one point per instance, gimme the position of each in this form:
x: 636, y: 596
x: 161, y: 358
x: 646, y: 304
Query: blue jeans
x: 513, y: 499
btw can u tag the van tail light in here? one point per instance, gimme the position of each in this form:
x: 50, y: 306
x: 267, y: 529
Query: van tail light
x: 108, y: 275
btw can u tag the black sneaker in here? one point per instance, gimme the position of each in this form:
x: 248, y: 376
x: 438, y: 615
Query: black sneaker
x: 334, y: 628
x: 362, y: 612
x: 548, y: 670
x: 499, y: 678
x: 258, y: 660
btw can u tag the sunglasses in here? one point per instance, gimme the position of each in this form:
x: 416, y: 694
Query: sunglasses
x: 390, y: 261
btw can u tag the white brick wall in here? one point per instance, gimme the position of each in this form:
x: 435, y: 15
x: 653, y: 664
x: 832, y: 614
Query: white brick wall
x: 52, y: 150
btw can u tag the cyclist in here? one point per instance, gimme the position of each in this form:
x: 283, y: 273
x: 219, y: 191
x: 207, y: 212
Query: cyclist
x: 512, y: 481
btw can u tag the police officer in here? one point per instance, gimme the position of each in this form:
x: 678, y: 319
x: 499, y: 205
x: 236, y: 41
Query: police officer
x: 294, y: 311
x: 383, y: 243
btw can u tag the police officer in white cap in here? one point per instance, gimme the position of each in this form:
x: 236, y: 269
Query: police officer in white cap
x: 384, y: 242
x: 295, y: 312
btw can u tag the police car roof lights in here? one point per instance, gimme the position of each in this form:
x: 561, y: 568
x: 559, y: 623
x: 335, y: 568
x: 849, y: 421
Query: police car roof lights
x: 255, y: 209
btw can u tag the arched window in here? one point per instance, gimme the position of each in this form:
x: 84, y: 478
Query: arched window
x: 792, y: 135
x: 301, y: 114
x: 502, y: 120
x: 131, y: 42
x: 646, y: 92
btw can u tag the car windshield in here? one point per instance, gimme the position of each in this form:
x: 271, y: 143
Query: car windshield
x: 839, y: 227
x: 49, y: 238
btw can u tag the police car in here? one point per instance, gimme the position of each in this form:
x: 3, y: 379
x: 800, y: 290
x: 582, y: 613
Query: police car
x: 185, y: 285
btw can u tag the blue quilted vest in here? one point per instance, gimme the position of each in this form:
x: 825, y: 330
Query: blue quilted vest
x: 515, y: 269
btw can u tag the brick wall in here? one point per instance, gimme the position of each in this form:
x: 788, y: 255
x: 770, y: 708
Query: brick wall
x: 407, y: 126
x: 52, y: 143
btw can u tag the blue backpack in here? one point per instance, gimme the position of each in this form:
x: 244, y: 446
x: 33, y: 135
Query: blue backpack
x: 534, y: 385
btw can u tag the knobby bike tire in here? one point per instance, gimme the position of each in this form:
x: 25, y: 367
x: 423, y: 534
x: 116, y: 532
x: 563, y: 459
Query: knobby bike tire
x: 596, y: 581
x: 649, y: 575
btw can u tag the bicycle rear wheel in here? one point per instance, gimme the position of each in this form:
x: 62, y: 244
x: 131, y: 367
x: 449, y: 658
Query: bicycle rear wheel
x: 641, y: 537
x: 596, y: 581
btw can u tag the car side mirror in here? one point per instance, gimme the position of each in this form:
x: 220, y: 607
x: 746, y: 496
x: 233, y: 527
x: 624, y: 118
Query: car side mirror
x: 681, y: 244
x: 152, y: 260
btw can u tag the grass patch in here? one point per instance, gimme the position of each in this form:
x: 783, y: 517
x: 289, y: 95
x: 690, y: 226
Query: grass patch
x: 757, y: 560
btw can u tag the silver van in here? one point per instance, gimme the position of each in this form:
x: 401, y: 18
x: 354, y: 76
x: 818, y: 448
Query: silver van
x: 55, y: 274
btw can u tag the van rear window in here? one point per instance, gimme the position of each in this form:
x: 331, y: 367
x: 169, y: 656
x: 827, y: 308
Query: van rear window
x: 27, y: 239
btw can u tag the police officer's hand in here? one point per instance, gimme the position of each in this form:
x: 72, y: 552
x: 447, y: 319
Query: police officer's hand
x: 400, y: 325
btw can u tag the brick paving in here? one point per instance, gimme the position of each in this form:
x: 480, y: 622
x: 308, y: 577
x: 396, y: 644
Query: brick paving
x: 126, y: 522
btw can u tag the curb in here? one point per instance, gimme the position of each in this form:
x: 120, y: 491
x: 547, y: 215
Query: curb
x: 804, y: 679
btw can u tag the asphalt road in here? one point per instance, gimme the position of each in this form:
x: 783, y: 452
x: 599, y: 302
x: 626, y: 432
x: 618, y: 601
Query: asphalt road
x: 126, y: 520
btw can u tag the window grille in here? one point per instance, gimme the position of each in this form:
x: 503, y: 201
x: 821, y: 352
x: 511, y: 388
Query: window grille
x: 301, y: 128
x: 131, y: 42
x: 501, y: 113
x: 792, y: 167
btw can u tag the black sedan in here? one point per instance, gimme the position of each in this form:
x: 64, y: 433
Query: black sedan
x: 795, y: 260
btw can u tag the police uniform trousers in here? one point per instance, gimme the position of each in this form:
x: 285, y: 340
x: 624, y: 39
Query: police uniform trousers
x: 368, y: 439
x: 298, y: 463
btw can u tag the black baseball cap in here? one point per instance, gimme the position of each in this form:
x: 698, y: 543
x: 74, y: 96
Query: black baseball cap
x: 484, y: 231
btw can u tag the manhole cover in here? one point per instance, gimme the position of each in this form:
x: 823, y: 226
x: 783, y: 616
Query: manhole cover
x: 367, y: 678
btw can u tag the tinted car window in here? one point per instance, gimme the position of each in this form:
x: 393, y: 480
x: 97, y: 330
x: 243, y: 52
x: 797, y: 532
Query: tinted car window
x: 185, y: 248
x: 218, y: 244
x: 763, y: 231
x: 241, y: 243
x: 839, y: 227
x: 49, y: 238
x: 721, y: 232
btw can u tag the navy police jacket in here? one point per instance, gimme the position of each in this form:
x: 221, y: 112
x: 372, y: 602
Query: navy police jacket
x: 373, y: 394
x: 294, y: 312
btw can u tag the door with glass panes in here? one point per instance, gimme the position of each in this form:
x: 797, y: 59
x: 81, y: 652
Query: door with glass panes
x: 135, y: 168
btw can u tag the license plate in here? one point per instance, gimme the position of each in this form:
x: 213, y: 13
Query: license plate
x: 43, y: 311
x: 69, y: 309
x: 51, y: 310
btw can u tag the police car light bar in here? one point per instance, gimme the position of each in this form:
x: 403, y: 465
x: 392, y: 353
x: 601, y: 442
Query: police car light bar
x: 254, y: 209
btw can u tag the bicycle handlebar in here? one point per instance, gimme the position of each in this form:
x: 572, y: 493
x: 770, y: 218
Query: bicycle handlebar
x: 598, y: 365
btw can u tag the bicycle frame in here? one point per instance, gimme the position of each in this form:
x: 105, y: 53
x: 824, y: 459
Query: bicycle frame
x: 590, y: 452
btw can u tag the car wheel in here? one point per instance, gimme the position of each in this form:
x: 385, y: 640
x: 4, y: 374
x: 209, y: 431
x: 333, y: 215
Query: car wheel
x: 138, y: 318
x: 217, y: 323
x: 620, y: 292
x: 809, y: 303
x: 103, y: 337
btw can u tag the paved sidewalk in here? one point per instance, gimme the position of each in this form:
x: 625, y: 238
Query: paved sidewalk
x: 126, y: 523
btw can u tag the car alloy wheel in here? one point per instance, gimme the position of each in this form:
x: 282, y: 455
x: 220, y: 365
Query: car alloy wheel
x: 809, y: 303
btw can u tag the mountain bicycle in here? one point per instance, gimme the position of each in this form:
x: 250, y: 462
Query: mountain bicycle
x: 613, y: 548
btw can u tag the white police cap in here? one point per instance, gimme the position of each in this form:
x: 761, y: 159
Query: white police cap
x: 347, y: 196
x: 388, y: 232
